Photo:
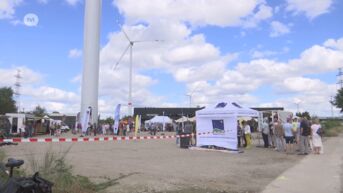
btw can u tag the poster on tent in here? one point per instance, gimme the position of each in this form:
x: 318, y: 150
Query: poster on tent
x: 222, y: 132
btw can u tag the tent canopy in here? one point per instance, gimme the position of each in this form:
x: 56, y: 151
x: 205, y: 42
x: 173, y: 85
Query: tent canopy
x: 160, y: 119
x: 227, y: 109
x: 220, y: 122
x: 184, y: 119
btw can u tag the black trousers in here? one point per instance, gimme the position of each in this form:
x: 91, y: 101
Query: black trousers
x: 265, y: 140
x: 239, y: 140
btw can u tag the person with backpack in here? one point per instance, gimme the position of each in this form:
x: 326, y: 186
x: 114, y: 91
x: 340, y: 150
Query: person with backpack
x: 305, y: 133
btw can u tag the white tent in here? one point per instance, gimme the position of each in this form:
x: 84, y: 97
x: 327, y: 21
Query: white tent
x: 159, y: 120
x: 220, y: 121
x: 183, y: 119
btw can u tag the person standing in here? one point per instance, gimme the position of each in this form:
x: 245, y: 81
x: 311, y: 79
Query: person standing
x: 124, y: 129
x: 239, y: 134
x: 52, y: 129
x: 247, y: 134
x: 271, y: 137
x: 305, y: 132
x: 296, y: 133
x: 265, y: 132
x: 316, y: 138
x: 279, y: 133
x: 289, y: 137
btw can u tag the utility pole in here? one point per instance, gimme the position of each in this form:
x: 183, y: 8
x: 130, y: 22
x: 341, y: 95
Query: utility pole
x: 190, y: 100
x: 17, y: 89
x: 340, y: 78
x: 331, y: 102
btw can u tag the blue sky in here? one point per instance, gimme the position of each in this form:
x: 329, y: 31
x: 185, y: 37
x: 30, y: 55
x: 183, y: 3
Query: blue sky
x: 260, y: 53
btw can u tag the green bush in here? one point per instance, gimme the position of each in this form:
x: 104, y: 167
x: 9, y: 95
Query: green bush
x: 332, y: 128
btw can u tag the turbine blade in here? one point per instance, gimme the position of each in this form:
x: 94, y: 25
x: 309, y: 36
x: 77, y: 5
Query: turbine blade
x: 121, y: 57
x: 141, y: 41
x: 127, y: 37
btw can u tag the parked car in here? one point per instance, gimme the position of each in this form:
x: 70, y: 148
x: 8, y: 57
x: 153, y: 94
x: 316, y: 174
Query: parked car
x: 65, y: 128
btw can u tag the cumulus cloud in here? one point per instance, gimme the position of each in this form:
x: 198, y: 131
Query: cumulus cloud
x: 43, y: 1
x: 28, y: 76
x: 285, y: 78
x: 74, y: 53
x: 73, y: 2
x: 264, y: 12
x: 34, y: 91
x: 302, y: 85
x: 209, y: 12
x: 311, y: 8
x: 46, y: 93
x: 7, y: 8
x: 334, y: 44
x: 278, y: 29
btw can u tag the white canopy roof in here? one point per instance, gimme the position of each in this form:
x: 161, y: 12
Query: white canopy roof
x: 184, y: 119
x: 227, y: 109
x: 160, y: 119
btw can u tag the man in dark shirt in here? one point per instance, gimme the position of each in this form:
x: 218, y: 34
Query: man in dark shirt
x: 305, y: 132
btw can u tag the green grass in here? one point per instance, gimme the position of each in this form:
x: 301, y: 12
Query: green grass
x: 54, y: 167
x: 332, y: 128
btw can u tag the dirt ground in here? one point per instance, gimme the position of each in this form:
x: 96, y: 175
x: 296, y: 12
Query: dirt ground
x: 161, y: 166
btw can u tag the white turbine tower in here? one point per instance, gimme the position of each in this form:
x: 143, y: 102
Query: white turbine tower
x: 130, y: 45
x: 91, y: 47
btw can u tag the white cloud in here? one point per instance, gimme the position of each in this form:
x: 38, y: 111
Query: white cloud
x: 263, y: 54
x: 311, y: 8
x: 50, y: 94
x: 7, y: 8
x: 334, y: 44
x: 194, y: 50
x: 318, y: 59
x: 303, y: 85
x: 28, y: 76
x: 264, y: 12
x: 43, y: 1
x: 278, y: 29
x: 34, y: 91
x: 209, y: 12
x: 257, y: 53
x: 74, y: 53
x: 73, y: 2
x: 17, y: 22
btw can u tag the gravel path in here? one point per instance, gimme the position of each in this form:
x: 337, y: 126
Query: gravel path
x: 160, y: 166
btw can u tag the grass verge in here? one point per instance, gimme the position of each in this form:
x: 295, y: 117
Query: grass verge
x: 54, y: 167
x: 332, y: 128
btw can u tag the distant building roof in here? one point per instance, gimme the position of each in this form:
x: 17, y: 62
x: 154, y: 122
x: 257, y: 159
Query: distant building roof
x: 268, y: 108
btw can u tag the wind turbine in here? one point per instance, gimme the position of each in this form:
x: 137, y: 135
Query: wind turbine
x: 191, y: 94
x: 130, y: 46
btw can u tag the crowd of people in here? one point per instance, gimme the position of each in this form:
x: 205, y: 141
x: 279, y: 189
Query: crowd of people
x: 300, y: 136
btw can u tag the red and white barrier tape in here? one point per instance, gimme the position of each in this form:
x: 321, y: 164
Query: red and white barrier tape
x: 94, y: 139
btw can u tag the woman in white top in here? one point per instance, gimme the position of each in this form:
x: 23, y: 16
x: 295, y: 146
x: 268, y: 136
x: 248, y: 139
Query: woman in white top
x: 247, y: 134
x: 316, y: 139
